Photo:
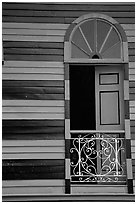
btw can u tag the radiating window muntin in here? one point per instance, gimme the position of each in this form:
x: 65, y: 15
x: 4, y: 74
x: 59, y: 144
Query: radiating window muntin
x: 96, y: 39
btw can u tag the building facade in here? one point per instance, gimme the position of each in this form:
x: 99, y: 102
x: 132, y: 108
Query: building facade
x: 68, y: 101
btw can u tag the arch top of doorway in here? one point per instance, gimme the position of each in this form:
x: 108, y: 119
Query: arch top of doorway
x: 95, y: 16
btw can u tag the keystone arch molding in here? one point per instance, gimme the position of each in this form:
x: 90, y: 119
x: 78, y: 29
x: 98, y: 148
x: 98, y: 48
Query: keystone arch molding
x: 95, y: 38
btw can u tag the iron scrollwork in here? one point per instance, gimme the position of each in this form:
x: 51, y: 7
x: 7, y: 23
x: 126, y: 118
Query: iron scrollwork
x: 97, y: 158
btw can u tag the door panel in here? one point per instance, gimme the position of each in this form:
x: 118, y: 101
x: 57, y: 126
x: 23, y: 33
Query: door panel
x: 109, y: 98
x: 109, y: 108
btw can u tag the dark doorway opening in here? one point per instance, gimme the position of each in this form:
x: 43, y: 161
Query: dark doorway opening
x: 82, y: 97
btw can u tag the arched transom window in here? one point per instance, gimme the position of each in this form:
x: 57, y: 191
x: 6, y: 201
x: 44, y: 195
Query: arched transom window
x: 96, y: 39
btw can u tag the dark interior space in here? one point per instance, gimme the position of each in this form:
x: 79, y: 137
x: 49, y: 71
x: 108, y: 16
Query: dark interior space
x: 82, y: 97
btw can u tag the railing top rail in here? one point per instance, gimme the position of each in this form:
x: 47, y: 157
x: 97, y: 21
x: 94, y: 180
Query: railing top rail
x: 97, y: 131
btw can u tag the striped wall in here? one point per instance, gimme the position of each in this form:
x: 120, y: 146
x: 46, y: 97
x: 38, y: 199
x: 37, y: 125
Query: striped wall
x: 33, y: 91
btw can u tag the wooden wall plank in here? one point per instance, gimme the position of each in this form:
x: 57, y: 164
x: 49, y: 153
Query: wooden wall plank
x: 33, y: 109
x: 37, y: 103
x: 32, y: 136
x: 32, y: 76
x: 31, y: 130
x: 33, y: 123
x: 69, y: 6
x: 130, y: 32
x: 132, y: 65
x: 52, y: 70
x: 28, y: 90
x: 32, y: 51
x: 33, y: 150
x: 61, y: 20
x: 32, y: 116
x: 33, y: 90
x: 128, y: 26
x: 76, y: 13
x: 39, y: 26
x: 35, y: 44
x: 132, y: 71
x: 33, y: 169
x: 34, y: 130
x: 30, y: 32
x: 29, y: 96
x: 32, y: 83
x: 33, y: 191
x: 43, y: 38
x: 131, y: 39
x: 33, y: 143
x: 32, y: 57
x: 33, y: 38
x: 32, y: 64
x: 31, y: 19
x: 25, y: 183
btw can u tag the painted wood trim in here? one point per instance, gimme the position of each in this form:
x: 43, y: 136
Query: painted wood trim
x: 126, y: 90
x: 67, y: 128
x: 128, y: 148
x: 130, y: 186
x: 67, y: 96
x: 91, y: 61
x: 125, y: 52
x: 67, y: 168
x: 129, y: 169
x: 97, y: 131
x: 66, y: 71
x: 67, y: 149
x: 126, y: 108
x: 67, y: 54
x: 126, y: 72
x: 67, y: 109
x: 67, y: 186
x: 127, y: 129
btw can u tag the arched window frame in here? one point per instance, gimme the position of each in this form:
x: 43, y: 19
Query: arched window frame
x: 92, y: 16
x: 124, y: 60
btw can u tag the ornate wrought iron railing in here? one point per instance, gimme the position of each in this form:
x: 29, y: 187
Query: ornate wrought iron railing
x: 97, y: 157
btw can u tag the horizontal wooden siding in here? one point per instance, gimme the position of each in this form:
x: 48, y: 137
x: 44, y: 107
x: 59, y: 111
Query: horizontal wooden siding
x: 33, y: 88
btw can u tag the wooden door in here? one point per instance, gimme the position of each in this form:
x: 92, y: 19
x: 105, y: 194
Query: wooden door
x: 109, y: 97
x: 96, y: 97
